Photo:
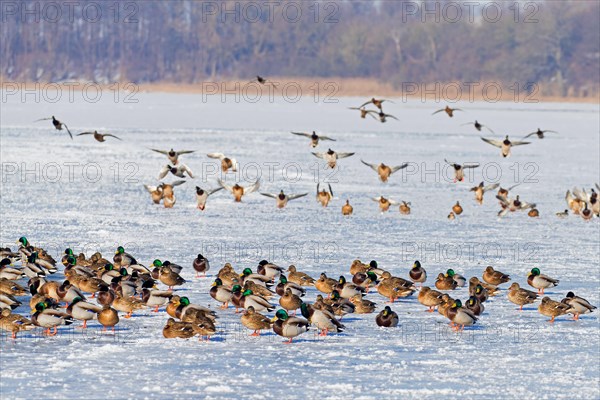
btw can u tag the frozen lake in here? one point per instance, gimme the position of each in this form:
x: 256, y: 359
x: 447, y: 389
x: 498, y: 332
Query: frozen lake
x: 89, y: 196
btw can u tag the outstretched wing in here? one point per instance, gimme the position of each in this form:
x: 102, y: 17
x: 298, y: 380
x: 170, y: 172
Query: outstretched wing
x: 151, y: 189
x: 518, y: 143
x: 319, y: 155
x: 160, y: 151
x: 496, y: 143
x: 211, y: 191
x: 271, y: 195
x: 111, y: 135
x: 490, y: 187
x: 185, y: 168
x: 85, y: 133
x: 391, y: 116
x: 470, y: 166
x: 67, y: 128
x: 163, y: 172
x: 330, y: 191
x: 344, y: 155
x: 252, y: 188
x: 372, y: 166
x: 503, y: 200
x: 448, y: 162
x: 399, y: 167
x: 302, y: 134
x: 220, y: 156
x: 225, y: 186
x: 297, y: 196
x: 177, y: 183
x: 43, y: 119
x: 184, y: 152
x: 326, y: 138
x: 438, y: 111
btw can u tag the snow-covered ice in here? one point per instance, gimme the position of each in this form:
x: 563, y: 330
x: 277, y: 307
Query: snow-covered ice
x: 89, y: 196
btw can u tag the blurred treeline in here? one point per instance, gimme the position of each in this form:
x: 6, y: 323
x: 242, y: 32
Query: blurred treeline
x: 553, y: 43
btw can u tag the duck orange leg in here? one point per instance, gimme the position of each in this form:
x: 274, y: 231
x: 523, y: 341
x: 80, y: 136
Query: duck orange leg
x: 552, y: 320
x: 14, y: 335
x: 128, y: 315
x: 256, y: 333
x: 289, y: 341
x: 156, y: 309
x: 225, y: 305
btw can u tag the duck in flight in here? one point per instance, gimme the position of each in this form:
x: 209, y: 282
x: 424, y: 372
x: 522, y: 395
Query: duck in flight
x: 384, y: 171
x: 477, y: 126
x: 382, y: 116
x: 226, y: 162
x: 202, y: 196
x: 540, y: 133
x: 179, y: 171
x: 331, y: 157
x: 447, y: 110
x: 459, y: 170
x: 99, y: 136
x: 240, y: 191
x: 377, y: 103
x: 264, y: 81
x: 57, y: 124
x: 314, y: 138
x: 504, y: 145
x: 173, y: 155
x: 363, y: 111
x: 281, y: 199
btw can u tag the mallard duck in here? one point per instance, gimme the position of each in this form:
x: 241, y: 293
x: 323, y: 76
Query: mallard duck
x: 203, y: 329
x: 448, y: 110
x: 323, y: 196
x: 227, y: 163
x: 12, y: 288
x: 9, y: 302
x: 494, y: 277
x: 384, y: 203
x: 6, y: 272
x: 228, y: 275
x: 551, y: 308
x: 331, y: 157
x: 491, y: 289
x: 284, y: 284
x: 417, y: 273
x: 173, y: 155
x: 83, y: 310
x: 504, y: 145
x: 14, y: 323
x: 299, y: 278
x: 446, y: 303
x: 58, y: 125
x: 540, y: 282
x: 365, y: 280
x: 287, y: 326
x: 457, y: 208
x: 258, y: 302
x: 100, y: 137
x: 347, y: 209
x: 323, y: 320
x: 269, y: 270
x: 67, y: 292
x: 324, y: 284
x: 459, y: 279
x: 240, y: 191
x: 108, y: 273
x: 347, y: 289
x: 105, y: 296
x: 384, y: 171
x: 289, y: 301
x: 123, y: 259
x: 358, y: 266
x: 391, y: 289
x: 255, y: 321
x: 50, y: 318
x: 404, y: 207
x: 281, y: 198
x: 200, y: 265
x: 533, y: 213
x: 520, y: 296
x: 259, y: 290
x: 314, y: 138
x: 320, y: 304
x: 338, y: 305
x: 480, y: 293
x: 459, y: 170
x: 460, y: 316
x: 180, y: 307
x: 202, y: 196
x: 362, y: 306
x: 429, y: 298
x: 259, y: 279
x: 156, y: 298
x: 127, y: 305
x: 481, y: 189
x: 475, y: 305
x: 175, y: 329
x: 451, y: 216
x: 170, y: 277
x: 578, y: 305
x: 108, y: 317
x: 445, y: 282
x: 387, y: 318
x: 221, y: 293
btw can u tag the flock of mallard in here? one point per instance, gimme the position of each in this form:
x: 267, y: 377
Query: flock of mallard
x: 578, y: 201
x: 125, y: 286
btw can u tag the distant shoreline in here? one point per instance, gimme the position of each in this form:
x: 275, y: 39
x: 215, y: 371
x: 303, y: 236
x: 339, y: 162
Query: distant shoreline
x: 325, y: 89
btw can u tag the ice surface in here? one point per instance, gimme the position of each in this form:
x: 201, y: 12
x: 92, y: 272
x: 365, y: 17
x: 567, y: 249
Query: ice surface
x: 508, y: 354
